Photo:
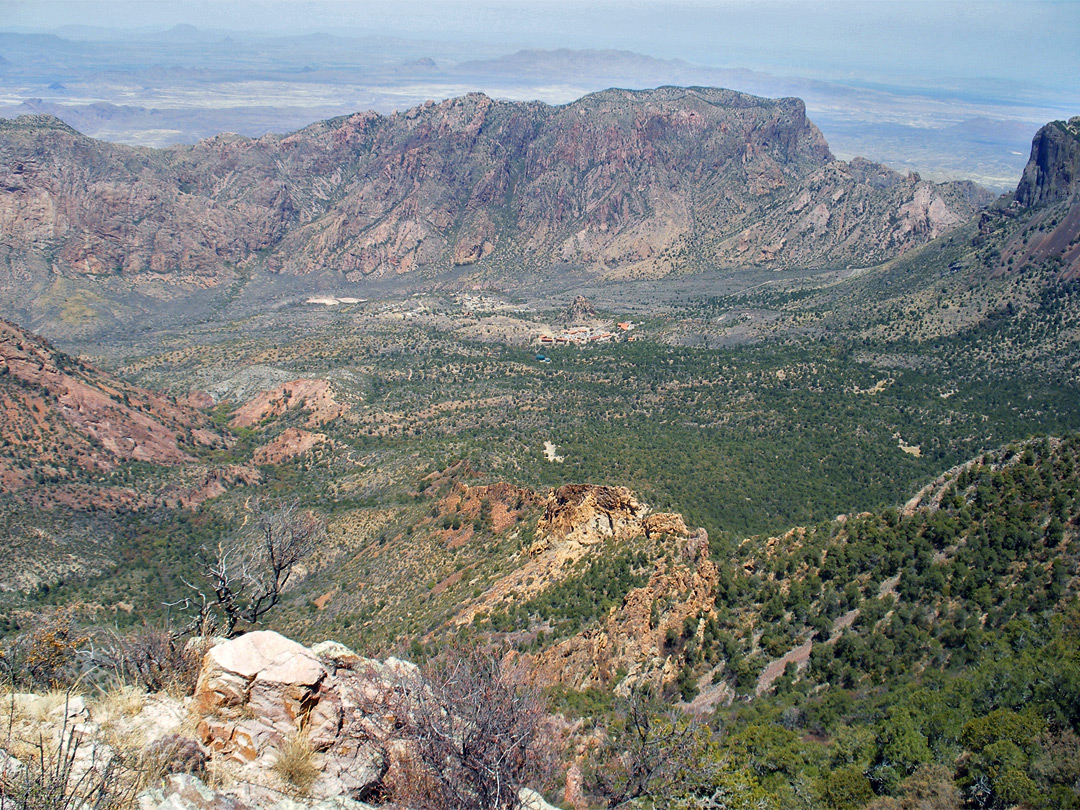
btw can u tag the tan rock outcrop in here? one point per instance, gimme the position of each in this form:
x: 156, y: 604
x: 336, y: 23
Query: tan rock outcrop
x: 628, y: 648
x: 292, y: 442
x: 260, y: 690
x: 314, y: 396
x: 584, y: 520
x: 588, y: 513
x: 262, y: 674
x: 663, y: 523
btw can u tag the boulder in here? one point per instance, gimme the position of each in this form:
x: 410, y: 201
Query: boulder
x: 257, y: 691
x: 254, y: 691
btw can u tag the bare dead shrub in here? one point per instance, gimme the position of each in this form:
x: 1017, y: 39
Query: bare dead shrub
x: 475, y: 729
x: 248, y: 574
x: 150, y: 657
x: 647, y: 753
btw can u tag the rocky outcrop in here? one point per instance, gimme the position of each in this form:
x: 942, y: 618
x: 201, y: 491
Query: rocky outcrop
x: 316, y: 397
x: 1039, y: 228
x: 579, y: 311
x: 664, y: 523
x: 290, y: 444
x: 586, y: 514
x: 583, y: 522
x: 617, y: 183
x: 1053, y: 170
x: 258, y: 693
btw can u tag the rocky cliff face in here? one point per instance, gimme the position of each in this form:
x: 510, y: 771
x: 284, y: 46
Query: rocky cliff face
x: 1053, y: 170
x: 619, y: 182
x: 629, y: 645
x: 75, y: 205
x: 1039, y: 228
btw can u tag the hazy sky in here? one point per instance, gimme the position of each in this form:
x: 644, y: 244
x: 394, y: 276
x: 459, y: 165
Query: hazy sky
x: 1034, y: 42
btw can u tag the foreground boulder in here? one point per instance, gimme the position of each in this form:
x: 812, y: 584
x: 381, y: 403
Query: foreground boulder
x: 255, y: 691
x: 261, y: 695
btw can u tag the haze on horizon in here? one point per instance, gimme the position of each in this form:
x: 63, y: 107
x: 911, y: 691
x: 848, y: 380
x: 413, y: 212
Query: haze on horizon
x: 951, y: 89
x: 1008, y: 42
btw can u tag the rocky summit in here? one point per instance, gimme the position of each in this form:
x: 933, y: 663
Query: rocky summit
x: 617, y: 184
x: 1053, y: 170
x: 1039, y: 224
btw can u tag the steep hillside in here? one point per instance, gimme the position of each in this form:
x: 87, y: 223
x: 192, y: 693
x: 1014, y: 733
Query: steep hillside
x: 937, y: 660
x: 81, y: 450
x: 618, y: 183
x: 64, y: 419
x: 996, y: 295
x: 929, y: 651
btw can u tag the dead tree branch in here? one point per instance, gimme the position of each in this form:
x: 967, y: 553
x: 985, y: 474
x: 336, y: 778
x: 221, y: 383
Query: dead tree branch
x: 248, y: 574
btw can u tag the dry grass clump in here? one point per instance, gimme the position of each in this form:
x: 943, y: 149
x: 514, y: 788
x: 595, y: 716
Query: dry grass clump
x: 14, y: 709
x: 44, y: 705
x: 120, y: 701
x: 295, y: 764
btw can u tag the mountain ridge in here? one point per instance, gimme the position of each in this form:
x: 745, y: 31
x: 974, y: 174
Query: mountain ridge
x: 618, y: 184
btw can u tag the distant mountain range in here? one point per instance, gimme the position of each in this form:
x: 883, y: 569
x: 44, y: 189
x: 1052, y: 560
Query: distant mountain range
x: 619, y: 184
x: 158, y: 88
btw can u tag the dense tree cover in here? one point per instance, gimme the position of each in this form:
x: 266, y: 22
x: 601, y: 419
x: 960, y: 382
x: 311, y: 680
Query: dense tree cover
x: 998, y: 730
x: 744, y: 439
x: 578, y: 600
x: 958, y: 679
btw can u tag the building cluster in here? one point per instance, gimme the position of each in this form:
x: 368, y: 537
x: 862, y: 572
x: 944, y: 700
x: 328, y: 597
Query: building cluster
x: 586, y: 335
